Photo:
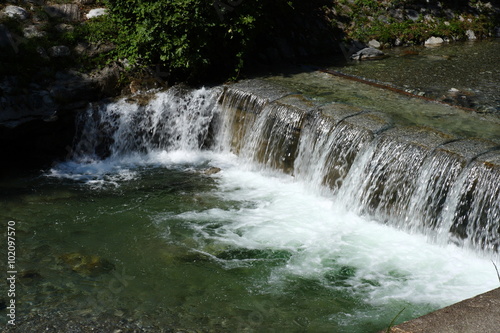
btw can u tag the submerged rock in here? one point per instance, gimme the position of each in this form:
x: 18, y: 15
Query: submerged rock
x: 89, y: 265
x: 368, y: 53
x: 211, y: 171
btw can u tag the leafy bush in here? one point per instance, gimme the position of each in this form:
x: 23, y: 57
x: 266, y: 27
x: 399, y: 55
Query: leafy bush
x: 194, y: 39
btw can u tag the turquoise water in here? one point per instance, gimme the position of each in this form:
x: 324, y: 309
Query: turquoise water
x: 167, y: 234
x: 241, y: 250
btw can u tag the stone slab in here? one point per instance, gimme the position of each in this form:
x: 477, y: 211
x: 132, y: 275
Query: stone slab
x: 297, y: 101
x: 261, y: 88
x: 339, y: 111
x: 473, y: 315
x: 422, y: 136
x: 374, y: 122
x: 467, y: 149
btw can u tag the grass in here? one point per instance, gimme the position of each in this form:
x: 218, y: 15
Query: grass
x: 393, y: 321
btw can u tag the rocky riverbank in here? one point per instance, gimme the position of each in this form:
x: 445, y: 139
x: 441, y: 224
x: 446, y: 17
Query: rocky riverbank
x: 50, y: 70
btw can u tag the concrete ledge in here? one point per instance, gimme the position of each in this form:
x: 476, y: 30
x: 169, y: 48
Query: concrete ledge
x: 480, y: 314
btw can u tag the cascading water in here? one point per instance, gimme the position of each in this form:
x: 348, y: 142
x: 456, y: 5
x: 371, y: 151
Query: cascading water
x: 216, y: 237
x: 176, y: 120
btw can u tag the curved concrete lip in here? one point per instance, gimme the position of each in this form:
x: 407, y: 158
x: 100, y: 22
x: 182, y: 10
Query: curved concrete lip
x: 480, y: 314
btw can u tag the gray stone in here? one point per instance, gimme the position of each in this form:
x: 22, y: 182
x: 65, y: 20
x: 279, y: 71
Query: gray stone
x: 59, y: 51
x: 467, y: 150
x: 470, y: 35
x: 368, y: 53
x: 337, y: 112
x: 96, y: 12
x: 107, y: 79
x: 63, y: 27
x: 412, y: 14
x: 15, y: 12
x: 69, y: 12
x: 261, y: 89
x: 374, y: 43
x: 32, y: 31
x: 91, y: 50
x: 396, y: 14
x: 434, y: 41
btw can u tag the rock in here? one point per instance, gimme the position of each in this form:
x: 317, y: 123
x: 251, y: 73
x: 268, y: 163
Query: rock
x: 16, y: 12
x: 107, y: 79
x: 368, y: 53
x: 412, y: 14
x: 434, y: 41
x: 91, y: 50
x: 69, y: 12
x: 85, y: 2
x: 374, y: 43
x: 31, y: 31
x: 72, y: 87
x: 429, y: 18
x: 59, y: 51
x: 89, y: 265
x: 63, y: 27
x: 470, y: 35
x: 96, y: 12
x: 211, y: 171
x: 397, y: 14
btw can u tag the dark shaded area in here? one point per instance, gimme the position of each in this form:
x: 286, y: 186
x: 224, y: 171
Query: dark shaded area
x: 35, y: 144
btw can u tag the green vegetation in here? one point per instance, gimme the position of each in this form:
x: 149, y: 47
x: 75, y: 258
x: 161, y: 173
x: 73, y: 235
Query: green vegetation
x: 200, y: 40
x: 394, y: 320
x: 195, y: 39
x: 27, y: 57
x: 377, y: 19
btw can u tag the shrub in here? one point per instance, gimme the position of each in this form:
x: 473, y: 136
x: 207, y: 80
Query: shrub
x: 194, y: 39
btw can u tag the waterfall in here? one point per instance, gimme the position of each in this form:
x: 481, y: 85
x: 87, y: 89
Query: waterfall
x: 177, y: 119
x: 414, y: 179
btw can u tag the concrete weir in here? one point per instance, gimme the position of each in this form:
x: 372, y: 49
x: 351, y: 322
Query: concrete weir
x: 415, y: 178
x: 473, y: 315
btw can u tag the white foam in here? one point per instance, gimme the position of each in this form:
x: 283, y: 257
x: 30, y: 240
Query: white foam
x: 389, y: 264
